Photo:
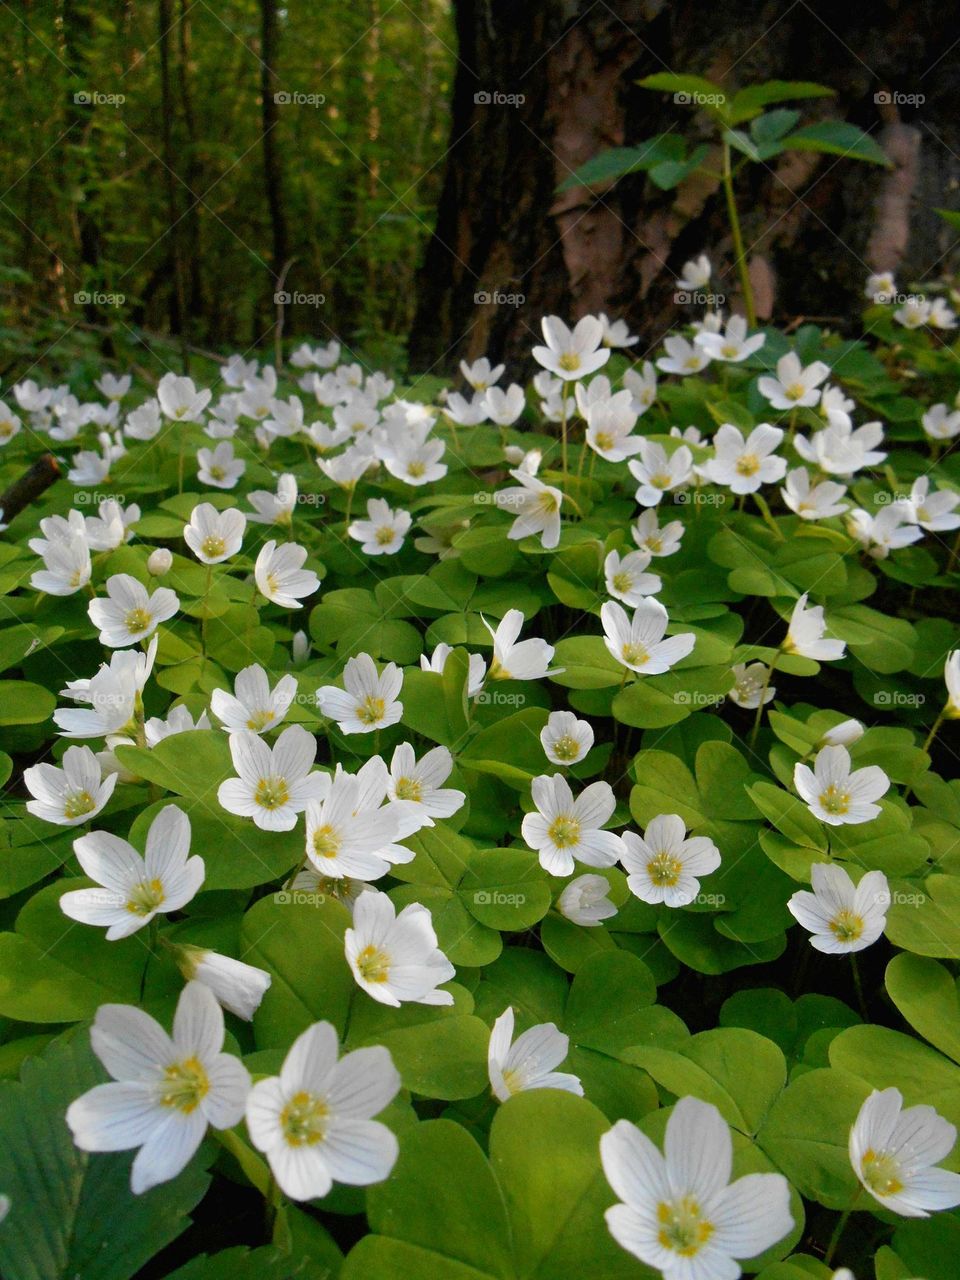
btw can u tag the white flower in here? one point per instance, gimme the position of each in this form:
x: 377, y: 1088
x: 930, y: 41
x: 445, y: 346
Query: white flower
x: 682, y: 356
x: 839, y: 915
x: 476, y: 667
x: 367, y: 701
x: 889, y: 530
x: 743, y: 465
x: 284, y: 417
x: 563, y: 828
x: 280, y: 575
x: 165, y: 1090
x: 585, y: 901
x: 575, y: 354
x: 695, y: 274
x: 663, y: 865
x: 159, y: 562
x: 130, y: 612
x: 609, y: 428
x: 951, y: 676
x: 813, y: 502
x: 214, y: 535
x: 238, y: 987
x: 913, y: 312
x: 794, y: 385
x: 346, y: 839
x: 314, y: 1122
x: 836, y: 795
x: 395, y: 958
x: 638, y: 642
x: 110, y: 527
x: 383, y: 532
x: 9, y: 424
x: 144, y: 422
x: 642, y: 387
x: 4, y: 1207
x: 71, y: 795
x: 933, y: 511
x: 529, y: 1062
x: 420, y: 782
x: 526, y: 660
x: 658, y: 471
x: 112, y: 387
x: 732, y: 345
x: 626, y: 578
x: 649, y: 536
x: 844, y: 734
x: 218, y: 467
x: 255, y: 707
x: 536, y: 507
x: 178, y: 721
x: 414, y: 461
x: 839, y: 451
x: 274, y: 508
x: 941, y: 423
x: 89, y: 468
x: 565, y: 739
x: 275, y: 785
x: 467, y: 413
x: 134, y: 888
x: 749, y: 682
x: 616, y: 333
x: 941, y: 317
x: 836, y: 407
x: 880, y: 287
x: 180, y: 400
x: 894, y: 1152
x: 805, y: 634
x: 505, y: 407
x: 480, y: 375
x: 680, y: 1213
x: 111, y: 695
x: 66, y: 566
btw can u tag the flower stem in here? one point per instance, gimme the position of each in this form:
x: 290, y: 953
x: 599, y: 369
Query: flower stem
x: 954, y: 553
x: 858, y: 984
x: 153, y: 934
x: 928, y: 743
x: 734, y: 218
x: 839, y: 1228
x: 563, y: 436
x: 763, y: 698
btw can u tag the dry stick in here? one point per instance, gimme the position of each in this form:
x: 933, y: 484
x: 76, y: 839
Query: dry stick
x: 280, y: 305
x: 44, y: 472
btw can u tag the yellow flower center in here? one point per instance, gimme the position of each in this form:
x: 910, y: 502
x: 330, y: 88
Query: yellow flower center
x: 566, y: 748
x: 728, y: 351
x: 145, y: 897
x: 373, y: 964
x: 260, y: 720
x: 796, y: 391
x: 408, y: 789
x: 833, y: 800
x: 498, y: 671
x: 748, y: 464
x: 273, y: 583
x: 416, y: 469
x: 661, y: 480
x: 77, y: 578
x: 184, y: 1086
x: 692, y: 362
x: 635, y: 655
x: 384, y: 536
x: 846, y: 926
x: 547, y: 503
x: 213, y: 546
x: 304, y: 1120
x: 272, y: 793
x: 683, y: 1229
x: 654, y: 545
x: 622, y: 582
x: 137, y: 620
x: 664, y: 869
x: 79, y: 803
x: 217, y: 473
x: 881, y: 1173
x: 564, y: 832
x: 604, y: 440
x: 371, y: 710
x: 326, y: 842
x: 6, y: 430
x: 513, y: 1080
x: 570, y: 362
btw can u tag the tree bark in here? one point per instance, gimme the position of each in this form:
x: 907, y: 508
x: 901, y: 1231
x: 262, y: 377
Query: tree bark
x: 813, y: 225
x: 272, y: 166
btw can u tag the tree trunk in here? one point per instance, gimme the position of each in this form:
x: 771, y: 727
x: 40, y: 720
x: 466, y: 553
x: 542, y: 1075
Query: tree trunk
x: 272, y: 167
x: 508, y: 248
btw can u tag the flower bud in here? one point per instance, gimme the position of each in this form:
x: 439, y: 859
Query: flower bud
x: 843, y: 734
x: 301, y: 648
x: 159, y: 562
x: 238, y: 987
